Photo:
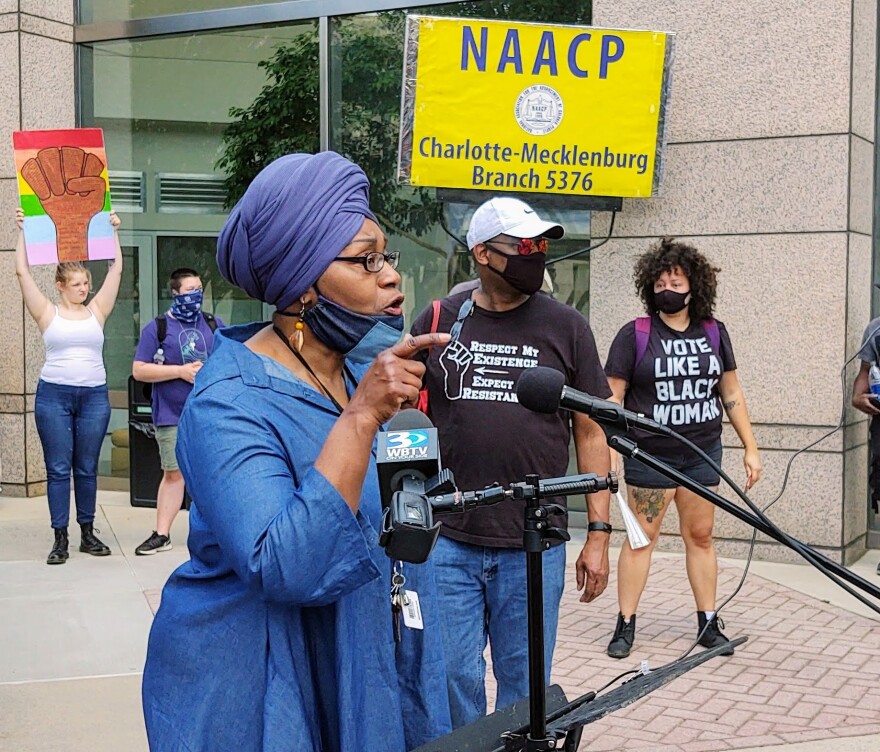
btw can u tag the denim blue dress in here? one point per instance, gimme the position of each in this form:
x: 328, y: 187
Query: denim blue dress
x: 277, y: 634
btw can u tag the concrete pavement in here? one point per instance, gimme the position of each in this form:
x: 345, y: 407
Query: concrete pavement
x: 73, y: 636
x: 73, y: 639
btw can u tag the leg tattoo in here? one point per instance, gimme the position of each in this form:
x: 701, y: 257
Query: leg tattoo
x: 649, y: 501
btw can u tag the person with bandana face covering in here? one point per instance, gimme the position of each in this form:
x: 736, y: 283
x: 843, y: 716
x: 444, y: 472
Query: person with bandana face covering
x: 171, y: 367
x: 278, y: 634
x: 676, y: 366
x: 500, y: 328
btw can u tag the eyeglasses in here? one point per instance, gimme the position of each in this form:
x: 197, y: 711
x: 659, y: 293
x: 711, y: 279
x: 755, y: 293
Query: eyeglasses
x: 467, y: 308
x: 373, y: 262
x: 524, y: 246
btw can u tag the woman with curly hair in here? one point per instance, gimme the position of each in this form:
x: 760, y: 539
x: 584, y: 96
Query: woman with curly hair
x: 676, y: 365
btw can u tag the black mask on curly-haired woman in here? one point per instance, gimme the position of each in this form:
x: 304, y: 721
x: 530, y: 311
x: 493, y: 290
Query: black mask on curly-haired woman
x: 670, y: 301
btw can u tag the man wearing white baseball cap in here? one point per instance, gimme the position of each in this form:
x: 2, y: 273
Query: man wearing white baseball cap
x: 500, y: 328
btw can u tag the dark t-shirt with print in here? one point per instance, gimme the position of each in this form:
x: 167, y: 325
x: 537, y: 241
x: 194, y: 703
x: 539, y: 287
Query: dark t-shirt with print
x: 675, y: 383
x: 184, y: 343
x: 485, y: 435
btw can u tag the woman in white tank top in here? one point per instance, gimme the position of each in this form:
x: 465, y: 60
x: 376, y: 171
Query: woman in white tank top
x: 71, y: 407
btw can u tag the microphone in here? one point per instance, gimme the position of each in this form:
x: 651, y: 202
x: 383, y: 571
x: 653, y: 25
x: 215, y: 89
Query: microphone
x: 408, y: 465
x: 408, y: 456
x: 543, y: 390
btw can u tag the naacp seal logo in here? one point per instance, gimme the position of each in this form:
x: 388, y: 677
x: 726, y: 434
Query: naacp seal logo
x: 538, y: 110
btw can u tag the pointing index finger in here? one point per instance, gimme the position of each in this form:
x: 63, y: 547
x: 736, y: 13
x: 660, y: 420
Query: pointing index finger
x: 410, y: 345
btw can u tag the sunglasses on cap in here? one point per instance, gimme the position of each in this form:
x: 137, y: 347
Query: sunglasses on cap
x: 524, y: 246
x: 467, y: 308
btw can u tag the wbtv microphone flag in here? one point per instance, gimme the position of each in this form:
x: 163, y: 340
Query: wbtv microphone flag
x: 637, y: 537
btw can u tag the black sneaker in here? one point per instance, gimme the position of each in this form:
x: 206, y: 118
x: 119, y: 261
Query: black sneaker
x: 154, y: 544
x: 624, y: 636
x: 712, y: 636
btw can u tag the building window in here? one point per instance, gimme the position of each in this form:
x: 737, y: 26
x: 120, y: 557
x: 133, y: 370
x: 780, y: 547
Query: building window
x: 189, y: 119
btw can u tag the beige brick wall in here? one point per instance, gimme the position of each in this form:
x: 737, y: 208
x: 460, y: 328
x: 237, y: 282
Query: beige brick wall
x: 36, y: 91
x: 770, y: 173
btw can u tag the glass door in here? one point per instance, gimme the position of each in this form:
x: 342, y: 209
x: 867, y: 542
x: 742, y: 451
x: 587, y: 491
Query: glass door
x: 134, y: 305
x: 180, y: 115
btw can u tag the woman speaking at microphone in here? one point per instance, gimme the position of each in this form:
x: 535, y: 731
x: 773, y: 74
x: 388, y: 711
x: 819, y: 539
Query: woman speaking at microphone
x: 278, y: 633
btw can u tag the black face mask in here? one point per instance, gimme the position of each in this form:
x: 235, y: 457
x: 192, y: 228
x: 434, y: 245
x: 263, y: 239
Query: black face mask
x: 522, y: 273
x: 670, y: 301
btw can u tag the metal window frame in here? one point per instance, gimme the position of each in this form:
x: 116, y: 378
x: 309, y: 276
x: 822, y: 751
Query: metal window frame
x: 324, y: 83
x: 271, y: 14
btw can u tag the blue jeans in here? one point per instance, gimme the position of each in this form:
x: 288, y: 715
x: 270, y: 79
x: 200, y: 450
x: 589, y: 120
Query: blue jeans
x: 72, y: 422
x: 482, y: 593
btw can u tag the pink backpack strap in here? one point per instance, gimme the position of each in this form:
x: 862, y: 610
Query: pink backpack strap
x: 435, y: 320
x: 422, y: 404
x: 643, y: 334
x: 714, y: 335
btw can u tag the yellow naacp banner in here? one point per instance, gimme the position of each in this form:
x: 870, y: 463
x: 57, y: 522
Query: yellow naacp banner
x: 527, y: 107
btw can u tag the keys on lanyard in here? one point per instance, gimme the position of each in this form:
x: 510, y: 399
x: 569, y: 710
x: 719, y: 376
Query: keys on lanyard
x: 399, y: 598
x: 404, y: 603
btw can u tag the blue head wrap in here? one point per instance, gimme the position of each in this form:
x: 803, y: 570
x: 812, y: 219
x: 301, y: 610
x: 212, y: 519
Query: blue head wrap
x: 293, y: 220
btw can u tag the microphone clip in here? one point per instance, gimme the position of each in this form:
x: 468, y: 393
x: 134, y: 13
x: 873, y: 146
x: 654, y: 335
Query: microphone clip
x: 409, y: 532
x: 538, y: 533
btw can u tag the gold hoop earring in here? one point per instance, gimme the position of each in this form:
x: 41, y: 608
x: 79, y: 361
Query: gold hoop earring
x: 296, y: 339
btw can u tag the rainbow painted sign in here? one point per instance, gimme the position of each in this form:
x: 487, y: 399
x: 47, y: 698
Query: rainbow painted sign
x: 65, y: 195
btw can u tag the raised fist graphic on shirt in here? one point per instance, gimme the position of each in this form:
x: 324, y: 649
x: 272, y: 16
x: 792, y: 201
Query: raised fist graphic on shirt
x: 68, y: 183
x: 455, y: 361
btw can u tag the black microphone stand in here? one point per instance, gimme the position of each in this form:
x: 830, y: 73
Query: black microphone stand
x: 830, y: 568
x: 616, y: 422
x: 566, y: 728
x: 537, y: 537
x: 562, y: 727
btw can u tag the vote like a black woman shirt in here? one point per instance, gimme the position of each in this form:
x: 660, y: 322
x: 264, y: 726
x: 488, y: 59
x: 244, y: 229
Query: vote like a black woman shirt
x: 485, y: 435
x: 675, y: 383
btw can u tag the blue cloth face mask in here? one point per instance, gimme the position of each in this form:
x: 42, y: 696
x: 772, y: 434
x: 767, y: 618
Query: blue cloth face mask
x: 357, y: 336
x: 186, y: 306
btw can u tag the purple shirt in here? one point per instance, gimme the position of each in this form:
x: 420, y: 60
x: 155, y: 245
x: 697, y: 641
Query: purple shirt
x: 184, y: 343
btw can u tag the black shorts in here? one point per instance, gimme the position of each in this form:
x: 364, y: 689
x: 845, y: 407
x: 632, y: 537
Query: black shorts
x: 642, y: 476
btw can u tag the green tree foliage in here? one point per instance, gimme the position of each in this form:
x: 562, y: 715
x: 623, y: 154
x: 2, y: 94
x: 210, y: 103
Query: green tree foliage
x: 365, y: 85
x: 284, y: 117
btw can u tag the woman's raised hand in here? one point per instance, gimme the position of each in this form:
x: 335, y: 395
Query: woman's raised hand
x: 19, y: 218
x: 394, y: 380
